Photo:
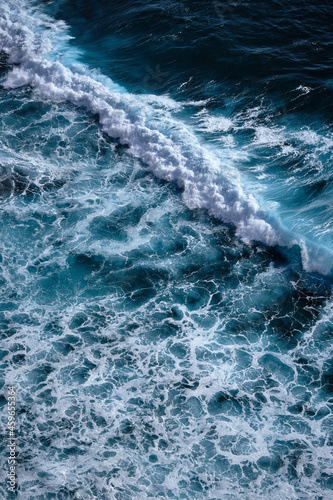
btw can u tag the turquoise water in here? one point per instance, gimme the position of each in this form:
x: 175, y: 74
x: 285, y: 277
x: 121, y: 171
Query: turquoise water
x: 166, y: 249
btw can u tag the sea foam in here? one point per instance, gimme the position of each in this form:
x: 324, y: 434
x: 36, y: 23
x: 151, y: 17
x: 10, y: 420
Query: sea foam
x: 168, y: 147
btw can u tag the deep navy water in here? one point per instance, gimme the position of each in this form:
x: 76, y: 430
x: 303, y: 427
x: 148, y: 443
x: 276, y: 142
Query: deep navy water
x: 166, y: 248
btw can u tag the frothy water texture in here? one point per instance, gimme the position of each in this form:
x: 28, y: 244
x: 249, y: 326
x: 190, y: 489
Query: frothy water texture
x: 166, y: 253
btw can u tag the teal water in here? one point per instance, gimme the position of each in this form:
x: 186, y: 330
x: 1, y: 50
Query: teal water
x: 166, y: 249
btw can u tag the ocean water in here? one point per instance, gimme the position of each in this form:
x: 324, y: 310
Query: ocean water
x: 166, y: 248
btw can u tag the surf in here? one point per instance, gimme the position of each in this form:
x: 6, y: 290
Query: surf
x: 168, y: 147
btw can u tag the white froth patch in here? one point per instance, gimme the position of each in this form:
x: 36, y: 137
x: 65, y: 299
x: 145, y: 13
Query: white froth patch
x: 304, y: 89
x: 213, y: 124
x: 270, y: 136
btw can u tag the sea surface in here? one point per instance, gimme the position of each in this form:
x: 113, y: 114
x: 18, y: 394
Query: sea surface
x: 166, y: 248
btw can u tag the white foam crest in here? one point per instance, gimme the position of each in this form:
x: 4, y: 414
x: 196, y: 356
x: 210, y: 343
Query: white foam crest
x: 213, y: 124
x: 169, y: 148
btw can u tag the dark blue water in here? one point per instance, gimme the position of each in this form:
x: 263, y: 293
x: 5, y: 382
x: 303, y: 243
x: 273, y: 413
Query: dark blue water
x: 166, y: 248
